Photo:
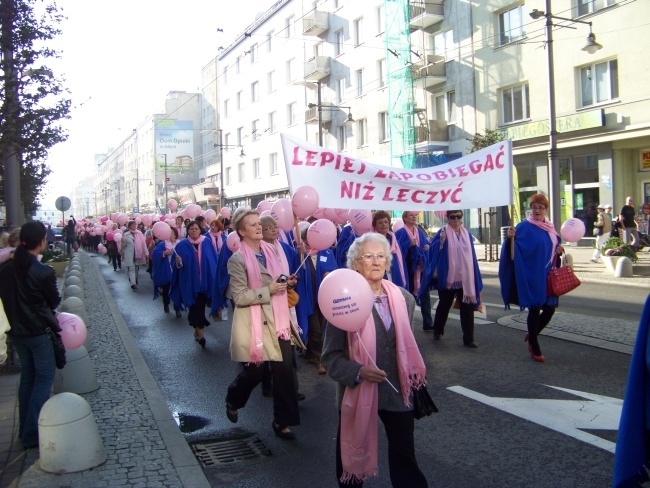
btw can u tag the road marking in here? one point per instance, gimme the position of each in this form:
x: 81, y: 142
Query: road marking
x: 563, y: 416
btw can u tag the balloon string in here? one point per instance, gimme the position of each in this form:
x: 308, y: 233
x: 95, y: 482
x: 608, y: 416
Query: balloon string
x: 304, y: 260
x: 373, y: 361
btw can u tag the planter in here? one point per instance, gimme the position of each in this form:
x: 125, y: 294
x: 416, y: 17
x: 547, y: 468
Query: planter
x: 610, y: 262
x: 58, y: 267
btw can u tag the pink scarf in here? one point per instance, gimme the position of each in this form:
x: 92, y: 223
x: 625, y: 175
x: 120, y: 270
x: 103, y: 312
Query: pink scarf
x: 418, y: 272
x: 394, y: 248
x: 460, y: 256
x: 216, y: 241
x: 140, y: 246
x: 552, y: 233
x: 360, y: 405
x: 278, y: 301
x: 198, y: 252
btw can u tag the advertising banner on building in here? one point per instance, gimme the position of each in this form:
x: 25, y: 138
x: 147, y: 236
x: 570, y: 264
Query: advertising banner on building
x: 480, y: 179
x: 174, y: 145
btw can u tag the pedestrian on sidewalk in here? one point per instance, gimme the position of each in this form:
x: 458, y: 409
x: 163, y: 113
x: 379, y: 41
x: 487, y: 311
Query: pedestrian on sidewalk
x: 628, y: 223
x: 603, y: 228
x: 29, y: 292
x: 134, y: 253
x: 261, y: 330
x: 163, y: 260
x: 523, y: 275
x: 453, y: 257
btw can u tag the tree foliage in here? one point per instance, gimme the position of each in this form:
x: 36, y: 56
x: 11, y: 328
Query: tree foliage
x: 34, y: 102
x: 480, y: 141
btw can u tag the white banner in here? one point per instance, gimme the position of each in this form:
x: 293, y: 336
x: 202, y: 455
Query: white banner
x: 480, y: 179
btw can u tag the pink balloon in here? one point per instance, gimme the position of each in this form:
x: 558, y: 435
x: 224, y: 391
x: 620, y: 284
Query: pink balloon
x: 161, y: 230
x: 109, y: 236
x: 361, y: 221
x: 319, y: 213
x: 233, y: 242
x: 283, y: 213
x: 261, y: 207
x: 73, y: 330
x: 100, y: 246
x: 103, y: 219
x: 265, y: 213
x: 172, y: 204
x: 147, y: 220
x: 345, y: 299
x: 210, y: 215
x: 226, y: 212
x: 92, y: 232
x: 321, y: 234
x: 138, y: 220
x: 103, y: 250
x: 572, y: 230
x: 341, y: 215
x: 117, y: 237
x: 122, y: 219
x: 109, y: 224
x: 330, y: 214
x: 193, y: 210
x: 441, y: 214
x: 397, y: 225
x: 304, y: 201
x: 303, y: 225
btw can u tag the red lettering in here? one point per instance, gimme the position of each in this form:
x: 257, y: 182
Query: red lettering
x: 296, y: 161
x: 406, y: 176
x: 380, y: 174
x: 310, y: 158
x: 348, y: 166
x: 401, y: 194
x: 489, y: 164
x: 346, y: 189
x: 415, y: 195
x: 326, y: 157
x: 387, y: 197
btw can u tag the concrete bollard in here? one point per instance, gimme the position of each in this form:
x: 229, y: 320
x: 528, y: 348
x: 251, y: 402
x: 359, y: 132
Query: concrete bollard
x: 76, y: 306
x: 69, y: 439
x: 73, y: 291
x: 78, y: 375
x: 74, y: 272
x: 75, y: 267
x: 624, y: 268
x: 72, y: 280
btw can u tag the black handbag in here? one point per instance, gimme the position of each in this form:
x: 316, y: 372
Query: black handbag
x: 423, y: 405
x: 59, y: 348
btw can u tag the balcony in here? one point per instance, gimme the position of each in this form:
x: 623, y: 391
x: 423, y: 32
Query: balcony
x: 317, y: 68
x: 436, y: 131
x: 429, y: 73
x: 311, y: 115
x: 315, y: 23
x: 425, y: 15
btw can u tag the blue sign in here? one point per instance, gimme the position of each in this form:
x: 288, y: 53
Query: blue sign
x: 136, y: 210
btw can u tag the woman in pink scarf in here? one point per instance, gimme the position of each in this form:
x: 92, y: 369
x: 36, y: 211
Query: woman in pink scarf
x: 134, y: 253
x: 385, y: 389
x: 260, y: 325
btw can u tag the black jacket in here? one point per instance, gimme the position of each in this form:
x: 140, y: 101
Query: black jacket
x: 29, y: 302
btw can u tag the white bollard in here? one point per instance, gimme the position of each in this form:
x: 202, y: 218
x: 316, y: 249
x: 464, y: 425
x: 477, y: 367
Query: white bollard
x: 78, y: 375
x: 69, y: 439
x: 73, y: 291
x: 624, y: 268
x: 72, y: 280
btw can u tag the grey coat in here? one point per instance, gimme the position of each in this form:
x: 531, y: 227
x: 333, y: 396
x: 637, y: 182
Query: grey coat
x: 345, y: 372
x: 128, y: 251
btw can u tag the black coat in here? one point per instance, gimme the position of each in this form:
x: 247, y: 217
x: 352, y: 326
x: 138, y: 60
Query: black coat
x: 29, y: 302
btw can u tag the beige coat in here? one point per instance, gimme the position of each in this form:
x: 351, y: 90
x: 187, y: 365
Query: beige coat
x: 244, y: 297
x: 4, y: 328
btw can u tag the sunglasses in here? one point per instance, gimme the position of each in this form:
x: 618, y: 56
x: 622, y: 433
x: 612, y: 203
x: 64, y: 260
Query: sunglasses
x: 455, y: 217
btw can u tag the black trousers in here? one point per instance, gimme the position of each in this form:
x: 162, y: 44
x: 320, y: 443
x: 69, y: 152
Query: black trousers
x: 196, y: 314
x: 285, y: 404
x: 164, y: 291
x: 116, y: 259
x: 538, y: 318
x: 466, y: 314
x: 403, y: 467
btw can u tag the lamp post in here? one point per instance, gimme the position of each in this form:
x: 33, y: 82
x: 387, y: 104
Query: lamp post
x: 320, y: 108
x: 164, y: 156
x: 553, y: 160
x: 221, y: 146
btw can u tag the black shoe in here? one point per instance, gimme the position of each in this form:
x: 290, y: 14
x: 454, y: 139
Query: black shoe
x: 166, y: 308
x: 300, y: 396
x: 427, y: 328
x: 201, y: 341
x: 471, y: 345
x: 233, y: 417
x: 436, y: 336
x: 289, y: 436
x: 178, y: 313
x: 267, y: 390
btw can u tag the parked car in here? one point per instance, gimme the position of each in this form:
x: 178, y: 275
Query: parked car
x: 58, y: 234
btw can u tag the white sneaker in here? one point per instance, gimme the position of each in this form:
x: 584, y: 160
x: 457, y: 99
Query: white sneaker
x: 224, y: 314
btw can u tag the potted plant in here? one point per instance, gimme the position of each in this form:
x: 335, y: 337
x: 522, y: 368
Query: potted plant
x: 55, y: 258
x: 614, y: 249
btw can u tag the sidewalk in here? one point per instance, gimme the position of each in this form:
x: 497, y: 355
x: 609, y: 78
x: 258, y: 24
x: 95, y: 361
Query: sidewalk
x: 144, y: 445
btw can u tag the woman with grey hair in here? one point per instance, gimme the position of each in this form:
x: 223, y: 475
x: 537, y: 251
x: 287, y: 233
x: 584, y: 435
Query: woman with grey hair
x: 377, y: 369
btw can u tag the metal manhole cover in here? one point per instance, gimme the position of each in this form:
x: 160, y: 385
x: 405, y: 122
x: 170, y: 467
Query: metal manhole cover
x: 226, y: 452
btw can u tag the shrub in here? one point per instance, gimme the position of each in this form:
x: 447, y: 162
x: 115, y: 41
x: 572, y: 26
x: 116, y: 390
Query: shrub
x: 53, y: 256
x: 616, y: 247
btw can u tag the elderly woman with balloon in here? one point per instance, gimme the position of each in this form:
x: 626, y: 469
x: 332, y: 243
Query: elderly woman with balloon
x: 193, y: 280
x: 524, y: 266
x: 163, y: 259
x: 134, y: 252
x: 261, y: 329
x: 372, y: 353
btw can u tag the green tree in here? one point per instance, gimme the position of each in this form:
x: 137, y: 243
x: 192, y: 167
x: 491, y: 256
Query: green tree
x: 34, y: 102
x: 480, y: 141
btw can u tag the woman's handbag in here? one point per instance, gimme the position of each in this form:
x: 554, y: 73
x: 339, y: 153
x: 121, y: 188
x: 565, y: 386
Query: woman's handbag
x: 59, y: 348
x: 292, y: 297
x: 561, y: 281
x: 423, y: 405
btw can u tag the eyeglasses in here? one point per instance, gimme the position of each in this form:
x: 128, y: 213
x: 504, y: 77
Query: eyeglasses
x: 370, y: 257
x: 265, y: 229
x: 455, y: 217
x: 538, y: 207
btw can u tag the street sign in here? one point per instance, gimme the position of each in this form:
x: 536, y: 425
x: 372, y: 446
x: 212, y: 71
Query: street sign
x: 62, y: 203
x: 166, y: 179
x: 136, y: 210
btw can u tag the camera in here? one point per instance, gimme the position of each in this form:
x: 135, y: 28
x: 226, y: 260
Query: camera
x: 282, y: 278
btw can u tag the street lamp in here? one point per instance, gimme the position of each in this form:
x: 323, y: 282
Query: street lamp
x: 221, y: 146
x: 553, y: 160
x: 321, y: 107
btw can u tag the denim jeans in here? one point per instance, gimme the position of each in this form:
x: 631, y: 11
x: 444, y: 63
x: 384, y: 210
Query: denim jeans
x: 36, y: 377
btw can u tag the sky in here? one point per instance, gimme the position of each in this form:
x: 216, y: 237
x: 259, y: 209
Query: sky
x: 120, y: 59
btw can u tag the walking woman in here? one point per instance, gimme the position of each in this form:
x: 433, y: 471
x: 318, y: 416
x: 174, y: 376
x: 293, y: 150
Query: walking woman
x: 453, y: 256
x: 70, y: 235
x: 163, y: 260
x: 134, y: 253
x: 30, y: 295
x: 377, y: 369
x: 193, y: 280
x: 260, y: 326
x: 523, y: 276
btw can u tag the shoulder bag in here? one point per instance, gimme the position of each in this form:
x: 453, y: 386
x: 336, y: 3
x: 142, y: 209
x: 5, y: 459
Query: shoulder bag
x: 59, y: 348
x: 423, y: 405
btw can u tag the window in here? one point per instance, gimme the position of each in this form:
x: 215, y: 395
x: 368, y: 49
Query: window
x: 255, y: 91
x: 291, y: 113
x: 272, y: 122
x: 445, y: 106
x: 383, y: 127
x: 240, y: 135
x: 270, y: 81
x: 226, y: 111
x: 254, y: 54
x: 255, y: 129
x: 358, y: 31
x: 273, y: 163
x: 599, y: 82
x: 237, y: 64
x: 291, y: 70
x: 340, y: 90
x: 362, y: 132
x: 588, y: 6
x: 225, y: 75
x: 451, y: 106
x: 515, y: 104
x: 256, y: 168
x: 241, y: 172
x: 288, y: 27
x: 443, y: 44
x: 381, y: 72
x: 359, y: 82
x: 342, y: 138
x: 338, y: 42
x: 511, y: 24
x: 228, y: 176
x: 226, y: 141
x: 269, y: 41
x: 239, y: 100
x: 381, y: 19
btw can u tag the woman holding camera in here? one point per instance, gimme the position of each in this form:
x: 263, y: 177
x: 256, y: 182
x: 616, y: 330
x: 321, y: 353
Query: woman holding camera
x: 260, y: 326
